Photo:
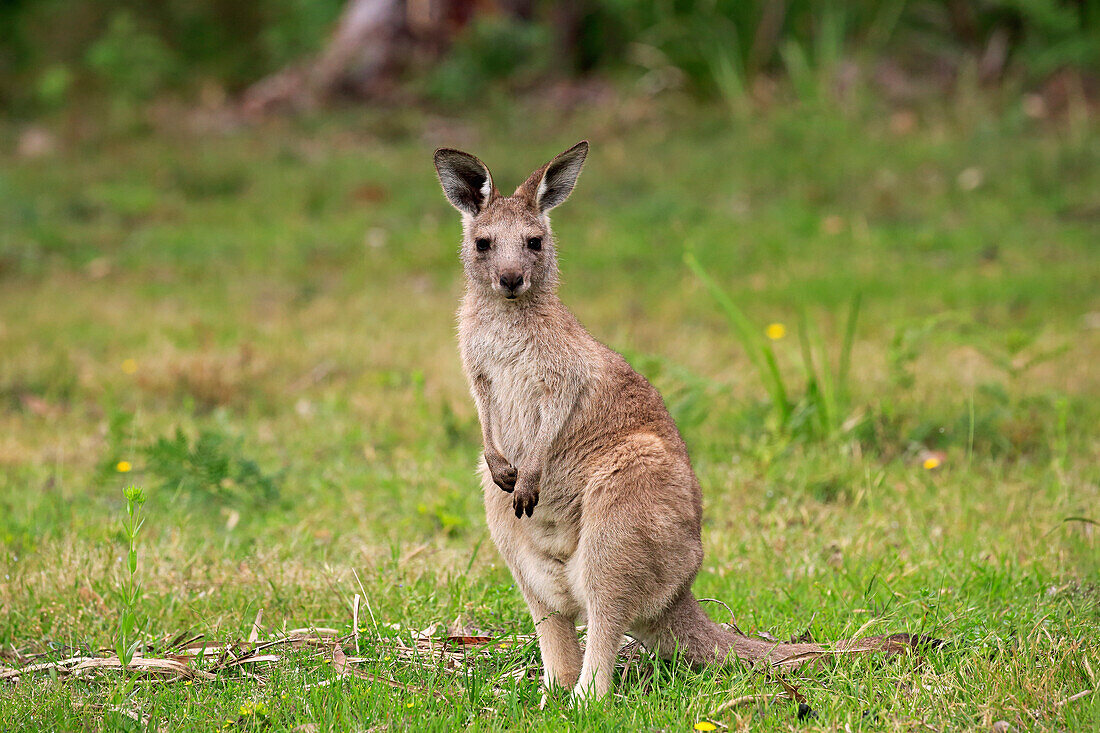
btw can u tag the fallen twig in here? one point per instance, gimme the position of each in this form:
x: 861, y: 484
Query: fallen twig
x: 1071, y: 698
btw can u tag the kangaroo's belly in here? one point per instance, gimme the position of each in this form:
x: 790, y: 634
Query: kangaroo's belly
x: 540, y: 550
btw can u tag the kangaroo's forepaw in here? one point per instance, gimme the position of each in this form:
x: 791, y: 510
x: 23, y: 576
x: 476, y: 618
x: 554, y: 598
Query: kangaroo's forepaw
x: 524, y: 499
x: 504, y: 473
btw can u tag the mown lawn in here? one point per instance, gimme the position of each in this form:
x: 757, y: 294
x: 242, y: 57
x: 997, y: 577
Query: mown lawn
x: 259, y: 323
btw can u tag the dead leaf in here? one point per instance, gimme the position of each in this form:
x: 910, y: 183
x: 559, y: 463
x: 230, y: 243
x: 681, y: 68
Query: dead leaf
x: 469, y: 640
x: 370, y: 193
x: 169, y: 667
x: 792, y: 690
x: 35, y: 142
x: 38, y: 406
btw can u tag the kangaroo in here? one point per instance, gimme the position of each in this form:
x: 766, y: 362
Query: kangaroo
x: 589, y: 492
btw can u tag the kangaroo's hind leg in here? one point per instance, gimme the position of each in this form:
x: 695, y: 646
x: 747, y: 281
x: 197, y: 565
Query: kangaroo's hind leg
x: 558, y: 645
x: 605, y: 635
x: 543, y: 585
x: 638, y: 555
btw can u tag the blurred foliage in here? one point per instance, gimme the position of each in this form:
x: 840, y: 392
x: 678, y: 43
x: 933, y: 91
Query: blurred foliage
x: 133, y: 50
x: 490, y: 48
x: 132, y: 62
x: 707, y: 39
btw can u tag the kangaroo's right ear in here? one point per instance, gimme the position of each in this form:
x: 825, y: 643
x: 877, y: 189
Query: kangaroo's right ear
x: 466, y: 181
x: 551, y: 184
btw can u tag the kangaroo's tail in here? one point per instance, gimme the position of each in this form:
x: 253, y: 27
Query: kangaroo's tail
x: 686, y: 630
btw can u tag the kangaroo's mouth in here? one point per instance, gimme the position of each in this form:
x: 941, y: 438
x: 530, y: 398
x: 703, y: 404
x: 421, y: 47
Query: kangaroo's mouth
x: 512, y: 293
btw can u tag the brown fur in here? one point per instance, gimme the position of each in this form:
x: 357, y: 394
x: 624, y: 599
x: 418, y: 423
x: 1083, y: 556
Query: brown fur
x: 589, y: 492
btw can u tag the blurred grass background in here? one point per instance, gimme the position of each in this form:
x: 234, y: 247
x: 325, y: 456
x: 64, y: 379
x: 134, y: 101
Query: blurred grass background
x: 250, y: 314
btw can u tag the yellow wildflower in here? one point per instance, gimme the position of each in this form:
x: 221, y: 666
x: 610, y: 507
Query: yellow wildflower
x: 705, y: 725
x: 775, y: 331
x: 129, y: 366
x: 931, y: 462
x: 253, y: 708
x: 123, y: 467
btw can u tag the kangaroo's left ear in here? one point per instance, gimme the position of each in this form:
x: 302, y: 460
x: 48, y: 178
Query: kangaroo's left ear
x: 551, y: 185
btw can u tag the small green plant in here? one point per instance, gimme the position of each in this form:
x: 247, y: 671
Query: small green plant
x: 133, y: 63
x: 212, y: 466
x: 1017, y: 352
x: 821, y: 411
x: 126, y: 641
x: 54, y: 85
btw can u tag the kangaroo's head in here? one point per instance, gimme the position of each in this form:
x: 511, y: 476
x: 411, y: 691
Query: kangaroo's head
x: 507, y: 246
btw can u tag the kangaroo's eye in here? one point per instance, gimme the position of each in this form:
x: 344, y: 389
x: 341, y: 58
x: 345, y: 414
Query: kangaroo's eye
x: 534, y: 243
x: 482, y: 244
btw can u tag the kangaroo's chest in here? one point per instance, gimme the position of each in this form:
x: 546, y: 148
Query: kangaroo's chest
x: 511, y: 365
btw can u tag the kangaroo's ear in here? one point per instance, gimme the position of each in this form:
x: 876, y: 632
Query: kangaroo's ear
x: 551, y: 185
x: 466, y: 181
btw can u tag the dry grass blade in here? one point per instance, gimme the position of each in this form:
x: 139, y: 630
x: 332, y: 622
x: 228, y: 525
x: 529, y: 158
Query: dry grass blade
x: 343, y: 668
x: 732, y: 621
x: 255, y: 659
x: 182, y: 640
x: 134, y: 715
x: 80, y: 666
x: 748, y: 700
x: 203, y: 650
x: 64, y: 666
x: 805, y: 637
x: 257, y: 629
x: 355, y: 620
x: 319, y: 631
x: 373, y: 620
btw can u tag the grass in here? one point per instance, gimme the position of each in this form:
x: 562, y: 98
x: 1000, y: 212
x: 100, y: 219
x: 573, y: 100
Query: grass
x: 259, y: 322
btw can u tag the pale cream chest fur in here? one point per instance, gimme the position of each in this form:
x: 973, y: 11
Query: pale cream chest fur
x: 494, y: 347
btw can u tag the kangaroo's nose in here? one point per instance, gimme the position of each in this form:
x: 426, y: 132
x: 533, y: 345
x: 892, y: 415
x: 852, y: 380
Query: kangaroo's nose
x: 511, y: 280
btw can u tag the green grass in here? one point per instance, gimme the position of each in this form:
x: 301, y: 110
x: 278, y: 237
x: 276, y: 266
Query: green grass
x: 287, y: 294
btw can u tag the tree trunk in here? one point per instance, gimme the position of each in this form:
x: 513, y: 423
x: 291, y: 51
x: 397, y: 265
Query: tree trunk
x: 355, y: 60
